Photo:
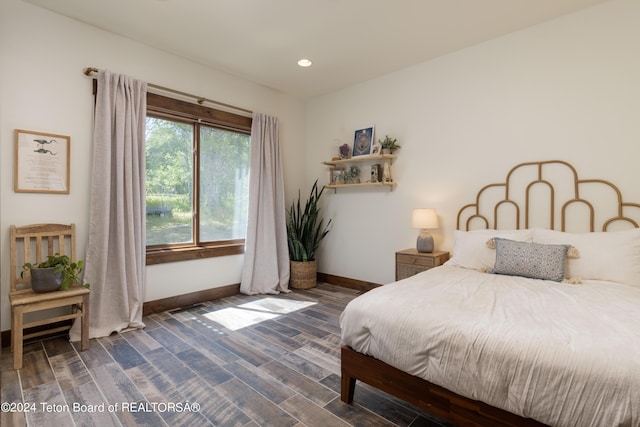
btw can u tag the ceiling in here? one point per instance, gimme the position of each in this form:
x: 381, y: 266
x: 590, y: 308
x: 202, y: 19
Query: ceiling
x: 349, y: 41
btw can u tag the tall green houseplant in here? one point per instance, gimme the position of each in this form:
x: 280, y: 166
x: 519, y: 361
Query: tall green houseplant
x: 305, y: 230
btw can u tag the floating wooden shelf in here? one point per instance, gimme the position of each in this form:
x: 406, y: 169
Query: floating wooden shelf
x: 335, y: 187
x: 377, y: 158
x: 358, y: 159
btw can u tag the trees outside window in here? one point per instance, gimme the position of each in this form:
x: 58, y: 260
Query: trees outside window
x: 197, y: 169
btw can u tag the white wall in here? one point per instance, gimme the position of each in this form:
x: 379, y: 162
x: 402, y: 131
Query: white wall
x: 42, y: 88
x: 567, y: 89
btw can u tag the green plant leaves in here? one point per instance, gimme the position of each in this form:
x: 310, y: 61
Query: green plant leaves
x: 305, y: 228
x: 61, y: 263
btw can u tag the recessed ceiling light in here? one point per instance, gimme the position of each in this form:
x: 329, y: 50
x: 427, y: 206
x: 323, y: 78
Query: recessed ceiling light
x: 304, y: 62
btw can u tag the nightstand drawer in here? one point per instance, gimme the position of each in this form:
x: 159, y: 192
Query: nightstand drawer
x: 410, y: 262
x: 407, y: 270
x: 414, y: 260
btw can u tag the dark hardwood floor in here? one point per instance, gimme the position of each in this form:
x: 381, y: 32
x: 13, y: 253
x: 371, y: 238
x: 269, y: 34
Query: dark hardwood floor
x: 238, y: 361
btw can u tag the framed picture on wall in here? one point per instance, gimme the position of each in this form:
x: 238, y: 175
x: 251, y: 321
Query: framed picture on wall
x: 41, y: 162
x: 362, y: 141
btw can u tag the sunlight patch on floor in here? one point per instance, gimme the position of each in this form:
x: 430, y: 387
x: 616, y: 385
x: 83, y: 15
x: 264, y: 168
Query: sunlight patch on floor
x: 251, y: 313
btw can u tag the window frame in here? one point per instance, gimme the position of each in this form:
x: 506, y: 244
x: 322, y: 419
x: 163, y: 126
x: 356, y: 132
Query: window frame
x: 163, y: 107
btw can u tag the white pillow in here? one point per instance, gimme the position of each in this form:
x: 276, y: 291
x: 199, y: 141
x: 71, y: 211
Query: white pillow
x: 612, y: 256
x: 470, y: 248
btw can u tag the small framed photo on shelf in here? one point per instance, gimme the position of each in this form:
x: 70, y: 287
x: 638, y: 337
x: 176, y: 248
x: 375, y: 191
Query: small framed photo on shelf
x: 41, y: 163
x: 376, y: 173
x: 376, y: 149
x: 337, y: 176
x: 362, y: 141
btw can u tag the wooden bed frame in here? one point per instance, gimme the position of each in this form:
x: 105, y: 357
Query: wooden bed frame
x: 425, y: 395
x: 438, y: 400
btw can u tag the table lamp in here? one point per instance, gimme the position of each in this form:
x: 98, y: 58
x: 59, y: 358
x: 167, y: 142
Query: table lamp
x: 424, y: 219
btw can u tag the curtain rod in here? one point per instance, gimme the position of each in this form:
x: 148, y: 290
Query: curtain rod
x: 201, y: 100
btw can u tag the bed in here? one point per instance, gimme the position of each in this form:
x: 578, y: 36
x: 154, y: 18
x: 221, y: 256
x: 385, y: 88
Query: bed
x: 535, y: 319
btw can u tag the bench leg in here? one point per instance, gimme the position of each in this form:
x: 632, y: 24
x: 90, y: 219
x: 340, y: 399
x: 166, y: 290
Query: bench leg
x: 16, y: 336
x: 84, y: 325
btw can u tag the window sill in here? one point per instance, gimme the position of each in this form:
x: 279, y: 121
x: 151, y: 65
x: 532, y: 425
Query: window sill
x: 162, y: 256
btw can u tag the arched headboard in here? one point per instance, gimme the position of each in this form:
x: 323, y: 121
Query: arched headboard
x: 549, y: 194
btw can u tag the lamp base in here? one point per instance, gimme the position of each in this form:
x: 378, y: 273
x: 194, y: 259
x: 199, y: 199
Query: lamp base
x: 425, y: 242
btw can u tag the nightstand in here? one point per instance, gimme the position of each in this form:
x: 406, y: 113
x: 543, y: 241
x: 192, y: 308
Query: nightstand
x: 410, y: 262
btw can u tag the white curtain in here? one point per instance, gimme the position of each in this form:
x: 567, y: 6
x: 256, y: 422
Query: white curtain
x: 115, y: 257
x: 266, y: 258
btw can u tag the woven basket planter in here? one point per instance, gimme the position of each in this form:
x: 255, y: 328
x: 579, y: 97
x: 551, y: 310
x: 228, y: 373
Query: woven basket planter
x: 303, y: 274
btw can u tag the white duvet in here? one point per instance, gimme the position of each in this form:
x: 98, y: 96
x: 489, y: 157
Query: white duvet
x: 565, y: 355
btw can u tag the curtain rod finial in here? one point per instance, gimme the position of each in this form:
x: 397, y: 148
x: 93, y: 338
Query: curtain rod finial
x: 90, y: 70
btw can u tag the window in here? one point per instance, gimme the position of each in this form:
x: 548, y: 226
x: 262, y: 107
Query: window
x: 197, y: 164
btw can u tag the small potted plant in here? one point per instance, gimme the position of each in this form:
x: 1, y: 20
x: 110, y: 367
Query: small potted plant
x: 351, y: 176
x: 388, y: 144
x: 56, y: 272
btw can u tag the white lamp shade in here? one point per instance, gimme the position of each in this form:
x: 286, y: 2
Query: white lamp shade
x: 424, y: 218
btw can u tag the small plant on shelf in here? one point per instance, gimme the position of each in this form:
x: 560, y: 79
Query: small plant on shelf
x: 352, y: 175
x: 388, y: 143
